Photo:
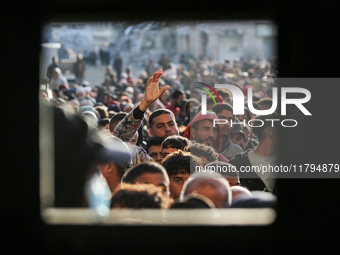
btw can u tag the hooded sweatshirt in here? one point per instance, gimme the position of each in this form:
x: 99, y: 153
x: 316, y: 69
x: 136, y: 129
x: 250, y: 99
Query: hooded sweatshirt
x: 218, y: 142
x: 55, y: 83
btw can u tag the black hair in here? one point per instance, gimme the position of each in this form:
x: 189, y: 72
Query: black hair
x: 266, y: 101
x: 181, y: 162
x: 102, y: 111
x: 145, y: 167
x: 103, y: 122
x: 154, y: 141
x: 225, y: 106
x: 210, y: 100
x: 176, y: 141
x: 159, y: 112
x: 114, y: 120
x: 200, y: 149
x: 177, y: 93
x: 223, y: 92
x: 137, y: 196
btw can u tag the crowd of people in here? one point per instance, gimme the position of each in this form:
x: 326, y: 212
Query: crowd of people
x: 146, y: 136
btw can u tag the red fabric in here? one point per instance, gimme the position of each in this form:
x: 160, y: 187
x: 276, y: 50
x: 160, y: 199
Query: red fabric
x: 222, y: 158
x: 173, y: 109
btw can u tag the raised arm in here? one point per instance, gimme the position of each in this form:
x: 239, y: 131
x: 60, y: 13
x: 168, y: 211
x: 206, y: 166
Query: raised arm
x: 127, y: 128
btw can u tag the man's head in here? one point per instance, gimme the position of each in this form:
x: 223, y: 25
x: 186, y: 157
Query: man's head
x: 240, y: 139
x: 138, y: 196
x: 228, y: 171
x: 237, y: 134
x: 265, y: 131
x: 111, y: 173
x: 203, y: 132
x: 154, y: 148
x: 211, y: 185
x: 174, y: 143
x: 149, y: 173
x: 244, y: 117
x: 54, y: 60
x: 211, y: 103
x: 205, y: 152
x: 176, y: 97
x: 265, y: 103
x: 114, y: 161
x: 225, y: 112
x: 162, y: 122
x: 178, y: 166
x: 225, y: 95
x: 239, y: 192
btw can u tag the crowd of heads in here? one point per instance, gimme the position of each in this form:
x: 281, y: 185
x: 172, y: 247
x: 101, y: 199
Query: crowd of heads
x: 169, y: 159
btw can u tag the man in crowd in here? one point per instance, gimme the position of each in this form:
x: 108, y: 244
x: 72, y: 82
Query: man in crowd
x: 112, y: 169
x: 154, y: 149
x: 79, y: 69
x: 176, y: 98
x: 179, y: 165
x: 211, y: 185
x: 225, y: 112
x: 51, y: 67
x: 201, y: 130
x: 174, y: 143
x: 127, y: 128
x: 228, y: 171
x: 263, y: 155
x: 148, y: 173
x: 162, y: 122
x: 205, y: 152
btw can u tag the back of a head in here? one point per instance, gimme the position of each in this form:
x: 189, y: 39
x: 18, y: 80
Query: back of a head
x: 239, y: 192
x: 265, y: 101
x: 177, y: 142
x: 115, y: 150
x: 154, y: 141
x: 103, y: 122
x: 176, y: 94
x: 215, y: 181
x: 193, y: 201
x: 138, y: 196
x: 258, y: 199
x: 177, y: 162
x: 142, y: 168
x: 203, y: 150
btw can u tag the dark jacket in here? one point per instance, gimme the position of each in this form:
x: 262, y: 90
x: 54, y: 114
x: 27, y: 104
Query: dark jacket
x: 250, y: 180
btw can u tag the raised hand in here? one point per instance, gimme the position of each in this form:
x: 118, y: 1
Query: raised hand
x: 152, y: 91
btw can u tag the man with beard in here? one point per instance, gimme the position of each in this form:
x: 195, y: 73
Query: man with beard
x: 127, y: 128
x: 176, y: 99
x: 201, y: 130
x: 225, y: 111
x: 162, y: 123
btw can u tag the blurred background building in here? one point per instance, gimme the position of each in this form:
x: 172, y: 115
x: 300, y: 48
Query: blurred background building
x: 137, y: 43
